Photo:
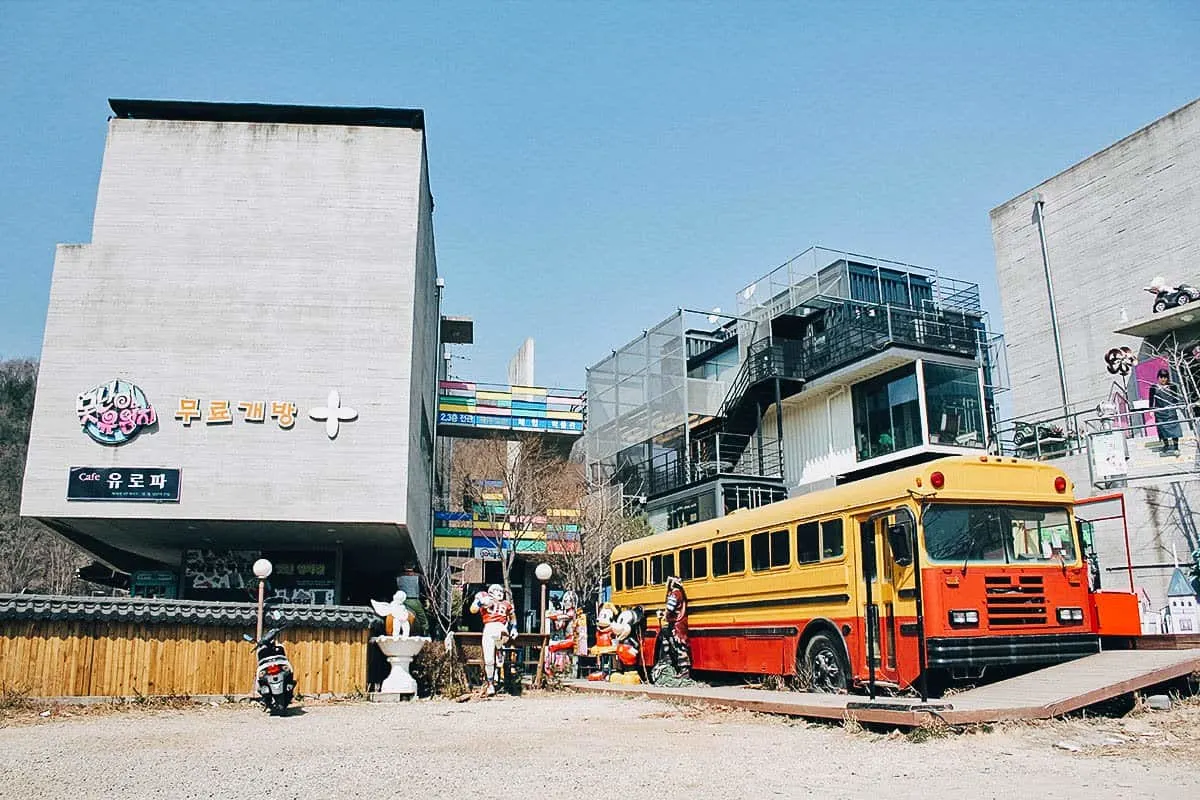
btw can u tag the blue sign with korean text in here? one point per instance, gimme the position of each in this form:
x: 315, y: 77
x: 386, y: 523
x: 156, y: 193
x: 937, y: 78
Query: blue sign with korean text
x: 129, y: 484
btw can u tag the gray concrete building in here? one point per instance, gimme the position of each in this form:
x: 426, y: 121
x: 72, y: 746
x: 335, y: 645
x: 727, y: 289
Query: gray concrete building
x: 243, y: 359
x: 1112, y: 224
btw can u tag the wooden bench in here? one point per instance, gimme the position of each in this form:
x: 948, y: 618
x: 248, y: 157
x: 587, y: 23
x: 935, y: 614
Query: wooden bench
x: 468, y: 647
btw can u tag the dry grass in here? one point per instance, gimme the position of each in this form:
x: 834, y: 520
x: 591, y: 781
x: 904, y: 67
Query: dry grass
x: 17, y: 708
x: 1143, y: 733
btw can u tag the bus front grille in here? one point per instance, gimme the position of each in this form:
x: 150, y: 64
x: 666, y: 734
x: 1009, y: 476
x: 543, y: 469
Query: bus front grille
x: 1019, y: 602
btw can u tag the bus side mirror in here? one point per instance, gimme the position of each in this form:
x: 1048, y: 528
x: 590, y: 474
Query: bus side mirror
x: 901, y: 544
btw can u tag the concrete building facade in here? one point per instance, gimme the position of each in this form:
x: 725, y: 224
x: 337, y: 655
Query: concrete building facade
x: 264, y: 278
x: 1112, y: 223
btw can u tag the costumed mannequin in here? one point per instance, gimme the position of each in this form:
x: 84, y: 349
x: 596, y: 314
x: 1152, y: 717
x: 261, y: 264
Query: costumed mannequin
x: 564, y: 629
x: 499, y: 624
x: 627, y: 631
x: 673, y: 647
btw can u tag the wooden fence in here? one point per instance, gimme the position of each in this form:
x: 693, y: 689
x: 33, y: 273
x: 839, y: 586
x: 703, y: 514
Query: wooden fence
x: 116, y: 658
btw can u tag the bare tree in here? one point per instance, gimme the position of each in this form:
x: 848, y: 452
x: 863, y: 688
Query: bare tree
x: 32, y: 558
x: 604, y: 523
x: 445, y: 581
x: 511, y: 486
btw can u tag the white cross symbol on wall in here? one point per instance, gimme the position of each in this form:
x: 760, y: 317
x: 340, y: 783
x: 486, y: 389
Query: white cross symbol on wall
x: 333, y: 413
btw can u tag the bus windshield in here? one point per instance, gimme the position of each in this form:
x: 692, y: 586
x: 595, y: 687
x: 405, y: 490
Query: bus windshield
x: 998, y: 534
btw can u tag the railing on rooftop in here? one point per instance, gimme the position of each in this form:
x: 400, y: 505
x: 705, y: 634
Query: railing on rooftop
x: 715, y: 455
x: 854, y: 331
x: 820, y: 271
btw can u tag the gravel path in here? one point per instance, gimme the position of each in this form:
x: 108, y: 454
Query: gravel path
x: 552, y: 746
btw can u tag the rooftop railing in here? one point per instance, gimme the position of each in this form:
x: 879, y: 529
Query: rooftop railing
x: 715, y: 455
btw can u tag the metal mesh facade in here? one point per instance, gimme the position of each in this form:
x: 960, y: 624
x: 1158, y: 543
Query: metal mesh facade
x: 641, y: 397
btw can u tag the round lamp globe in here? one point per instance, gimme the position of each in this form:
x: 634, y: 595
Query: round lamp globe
x: 262, y: 569
x: 543, y: 572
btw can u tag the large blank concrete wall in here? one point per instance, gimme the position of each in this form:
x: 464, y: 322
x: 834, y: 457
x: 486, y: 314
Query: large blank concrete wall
x: 1113, y: 222
x: 237, y: 261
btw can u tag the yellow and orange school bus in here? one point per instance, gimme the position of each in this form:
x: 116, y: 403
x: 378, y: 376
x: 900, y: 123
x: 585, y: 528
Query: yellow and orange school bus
x: 963, y: 565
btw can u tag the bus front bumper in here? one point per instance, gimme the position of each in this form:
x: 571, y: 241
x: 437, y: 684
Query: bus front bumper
x: 995, y: 651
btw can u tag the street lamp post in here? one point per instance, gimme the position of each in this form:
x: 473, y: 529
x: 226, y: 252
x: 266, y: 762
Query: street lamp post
x: 1039, y: 212
x: 543, y: 572
x: 262, y: 571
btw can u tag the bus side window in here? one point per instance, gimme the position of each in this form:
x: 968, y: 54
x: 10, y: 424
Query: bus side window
x: 618, y: 576
x: 832, y: 542
x: 700, y: 562
x: 737, y: 555
x: 639, y: 572
x: 729, y: 557
x: 781, y: 549
x: 661, y: 568
x: 720, y: 559
x: 808, y: 544
x: 769, y: 550
x: 685, y: 564
x: 629, y: 575
x: 760, y: 551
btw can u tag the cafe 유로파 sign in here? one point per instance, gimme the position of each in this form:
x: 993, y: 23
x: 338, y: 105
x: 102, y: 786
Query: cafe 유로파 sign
x: 131, y: 484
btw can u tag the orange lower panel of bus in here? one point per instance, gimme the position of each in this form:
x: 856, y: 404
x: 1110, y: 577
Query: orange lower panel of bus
x: 775, y: 649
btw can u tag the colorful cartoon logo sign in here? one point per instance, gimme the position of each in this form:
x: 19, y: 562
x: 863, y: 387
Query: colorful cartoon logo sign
x: 115, y: 412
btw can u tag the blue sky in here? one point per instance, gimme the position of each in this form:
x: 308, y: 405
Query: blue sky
x: 596, y: 166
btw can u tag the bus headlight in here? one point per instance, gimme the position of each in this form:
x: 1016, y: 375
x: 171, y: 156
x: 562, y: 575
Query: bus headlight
x: 965, y: 617
x: 1068, y: 615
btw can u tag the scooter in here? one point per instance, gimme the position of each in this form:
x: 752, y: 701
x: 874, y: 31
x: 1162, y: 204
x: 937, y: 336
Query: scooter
x: 275, y: 682
x: 1172, y: 296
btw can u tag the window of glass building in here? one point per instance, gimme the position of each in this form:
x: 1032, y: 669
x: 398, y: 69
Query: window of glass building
x: 887, y: 413
x: 954, y: 405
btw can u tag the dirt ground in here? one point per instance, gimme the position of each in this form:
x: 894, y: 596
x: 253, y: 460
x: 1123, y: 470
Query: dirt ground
x: 562, y: 744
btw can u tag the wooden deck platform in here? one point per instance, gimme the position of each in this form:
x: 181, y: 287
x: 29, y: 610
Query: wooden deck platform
x: 1043, y: 694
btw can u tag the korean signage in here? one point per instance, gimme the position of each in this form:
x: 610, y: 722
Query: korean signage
x: 282, y: 412
x: 518, y: 423
x: 130, y: 484
x: 224, y: 412
x: 115, y: 412
x: 297, y: 576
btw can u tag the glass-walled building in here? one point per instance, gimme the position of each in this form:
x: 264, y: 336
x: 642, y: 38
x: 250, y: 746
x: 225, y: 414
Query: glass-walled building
x: 836, y: 366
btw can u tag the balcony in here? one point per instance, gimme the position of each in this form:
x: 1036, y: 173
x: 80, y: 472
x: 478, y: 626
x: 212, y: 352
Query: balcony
x: 716, y: 455
x: 850, y: 332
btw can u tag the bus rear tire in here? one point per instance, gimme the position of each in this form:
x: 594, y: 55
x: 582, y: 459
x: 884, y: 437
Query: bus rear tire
x: 825, y: 666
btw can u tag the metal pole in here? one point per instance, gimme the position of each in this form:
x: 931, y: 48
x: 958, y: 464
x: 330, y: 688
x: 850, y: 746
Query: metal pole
x: 1039, y: 215
x: 916, y: 558
x: 261, y: 584
x: 438, y: 285
x: 1128, y: 555
x: 545, y: 622
x: 779, y: 425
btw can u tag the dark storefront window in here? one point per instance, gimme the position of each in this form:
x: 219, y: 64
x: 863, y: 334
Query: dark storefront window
x: 887, y: 413
x: 953, y: 402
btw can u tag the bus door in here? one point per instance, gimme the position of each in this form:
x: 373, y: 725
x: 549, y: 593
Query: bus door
x: 888, y: 603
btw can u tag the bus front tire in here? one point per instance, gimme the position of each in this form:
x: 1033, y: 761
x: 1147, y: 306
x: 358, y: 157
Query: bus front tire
x: 825, y: 666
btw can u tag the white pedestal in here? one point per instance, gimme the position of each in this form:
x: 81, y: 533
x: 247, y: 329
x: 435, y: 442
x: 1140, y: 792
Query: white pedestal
x: 399, y: 652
